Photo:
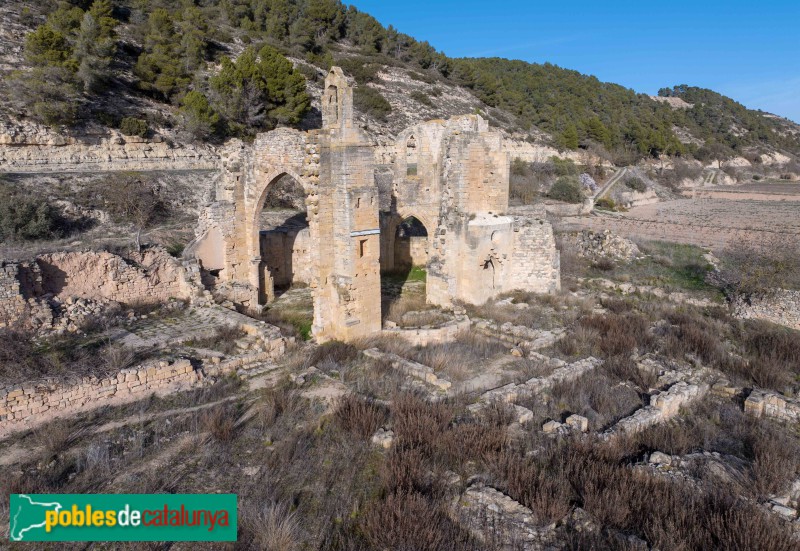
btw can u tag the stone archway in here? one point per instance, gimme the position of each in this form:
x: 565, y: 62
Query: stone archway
x: 260, y: 276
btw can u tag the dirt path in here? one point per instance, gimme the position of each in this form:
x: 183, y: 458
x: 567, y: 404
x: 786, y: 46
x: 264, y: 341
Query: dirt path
x: 611, y: 181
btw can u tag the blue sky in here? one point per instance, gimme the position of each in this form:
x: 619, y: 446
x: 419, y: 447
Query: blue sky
x: 749, y: 51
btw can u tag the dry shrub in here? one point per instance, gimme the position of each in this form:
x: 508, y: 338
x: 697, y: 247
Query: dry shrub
x: 746, y: 527
x: 359, y: 416
x: 470, y: 441
x: 411, y: 522
x: 596, y: 397
x: 334, y: 351
x: 694, y: 334
x: 775, y: 458
x: 55, y: 438
x: 406, y: 470
x: 539, y: 482
x: 497, y: 414
x: 769, y: 347
x: 221, y: 422
x: 619, y: 334
x: 272, y: 527
x: 274, y: 404
x: 418, y: 423
x: 623, y: 368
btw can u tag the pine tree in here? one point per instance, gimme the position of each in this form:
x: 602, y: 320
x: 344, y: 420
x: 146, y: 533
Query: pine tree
x: 568, y: 139
x: 96, y: 46
x: 259, y: 90
x: 198, y: 118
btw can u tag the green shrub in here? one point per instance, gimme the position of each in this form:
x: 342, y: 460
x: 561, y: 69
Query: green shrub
x: 564, y: 167
x: 29, y: 218
x: 421, y: 97
x: 371, y: 102
x: 131, y: 126
x: 361, y: 71
x: 636, y: 184
x: 605, y: 203
x: 567, y: 189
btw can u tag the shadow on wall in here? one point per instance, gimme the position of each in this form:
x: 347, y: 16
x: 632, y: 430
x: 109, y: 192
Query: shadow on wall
x: 54, y: 279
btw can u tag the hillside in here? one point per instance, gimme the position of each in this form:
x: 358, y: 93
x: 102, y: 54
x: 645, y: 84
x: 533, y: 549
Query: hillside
x: 171, y: 69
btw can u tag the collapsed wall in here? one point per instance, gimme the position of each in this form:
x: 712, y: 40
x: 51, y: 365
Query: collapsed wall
x: 781, y: 307
x: 147, y: 277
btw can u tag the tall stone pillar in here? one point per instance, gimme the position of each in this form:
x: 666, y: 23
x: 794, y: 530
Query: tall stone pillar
x: 347, y: 300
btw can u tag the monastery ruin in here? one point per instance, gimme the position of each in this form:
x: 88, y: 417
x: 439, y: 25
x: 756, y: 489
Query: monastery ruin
x: 449, y: 177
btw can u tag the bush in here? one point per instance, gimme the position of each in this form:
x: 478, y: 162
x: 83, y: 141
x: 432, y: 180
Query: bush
x: 131, y: 126
x: 360, y: 416
x: 605, y: 203
x: 567, y: 189
x: 636, y: 184
x: 371, y: 102
x: 363, y: 72
x: 421, y: 97
x: 29, y: 218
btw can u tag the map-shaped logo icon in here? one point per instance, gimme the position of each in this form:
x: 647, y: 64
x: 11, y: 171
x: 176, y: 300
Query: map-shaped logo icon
x: 28, y: 516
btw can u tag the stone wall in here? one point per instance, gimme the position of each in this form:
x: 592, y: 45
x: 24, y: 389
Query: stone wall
x: 771, y: 404
x: 423, y: 336
x: 782, y: 307
x: 410, y: 251
x: 535, y: 261
x: 19, y: 283
x: 27, y: 405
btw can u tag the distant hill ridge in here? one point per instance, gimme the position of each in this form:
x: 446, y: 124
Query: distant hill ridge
x: 176, y: 68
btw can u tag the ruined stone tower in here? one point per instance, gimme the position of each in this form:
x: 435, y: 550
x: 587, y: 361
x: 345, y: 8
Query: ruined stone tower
x: 347, y: 300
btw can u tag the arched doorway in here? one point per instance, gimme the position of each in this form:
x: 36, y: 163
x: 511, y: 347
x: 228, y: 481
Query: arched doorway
x: 283, y: 242
x: 403, y: 287
x: 410, y: 244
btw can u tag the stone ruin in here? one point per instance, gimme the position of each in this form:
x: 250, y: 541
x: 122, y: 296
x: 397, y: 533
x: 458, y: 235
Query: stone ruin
x: 450, y: 177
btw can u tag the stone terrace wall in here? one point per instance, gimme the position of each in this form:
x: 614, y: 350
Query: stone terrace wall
x: 783, y: 308
x: 31, y: 404
x: 35, y: 403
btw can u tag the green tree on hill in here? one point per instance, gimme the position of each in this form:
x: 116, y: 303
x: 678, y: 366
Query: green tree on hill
x: 259, y: 90
x: 568, y: 139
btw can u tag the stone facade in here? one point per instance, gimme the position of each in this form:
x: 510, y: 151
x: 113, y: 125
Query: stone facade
x: 450, y: 175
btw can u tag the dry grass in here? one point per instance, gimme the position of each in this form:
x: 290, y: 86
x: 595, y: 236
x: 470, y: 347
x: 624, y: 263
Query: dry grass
x: 223, y: 340
x: 461, y: 358
x: 271, y: 527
